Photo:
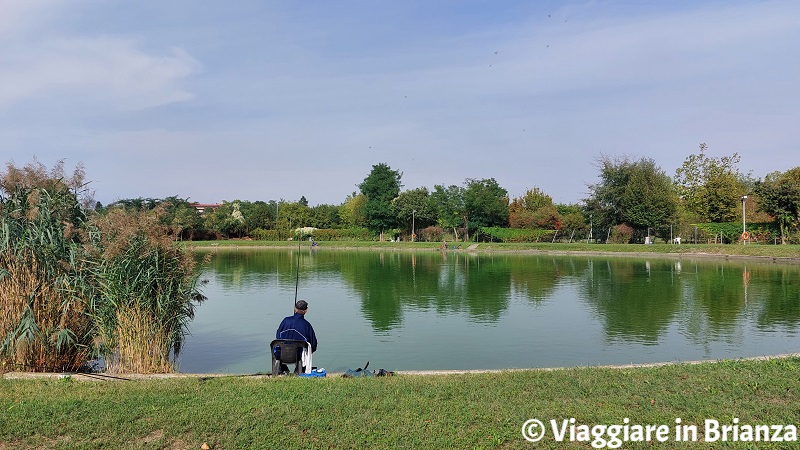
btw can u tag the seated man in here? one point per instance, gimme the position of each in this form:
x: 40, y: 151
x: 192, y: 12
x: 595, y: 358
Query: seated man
x: 298, y: 328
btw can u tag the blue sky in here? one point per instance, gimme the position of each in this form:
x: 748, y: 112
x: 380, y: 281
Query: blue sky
x: 261, y: 100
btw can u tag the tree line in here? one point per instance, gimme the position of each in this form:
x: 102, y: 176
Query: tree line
x: 633, y: 199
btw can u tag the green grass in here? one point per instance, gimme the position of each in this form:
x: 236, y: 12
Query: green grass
x: 405, y: 411
x: 756, y: 250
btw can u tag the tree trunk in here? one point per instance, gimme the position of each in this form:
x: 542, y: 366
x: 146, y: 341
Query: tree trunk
x: 783, y: 236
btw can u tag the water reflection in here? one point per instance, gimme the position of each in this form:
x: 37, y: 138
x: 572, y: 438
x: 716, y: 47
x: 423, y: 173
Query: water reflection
x: 635, y: 299
x: 549, y: 310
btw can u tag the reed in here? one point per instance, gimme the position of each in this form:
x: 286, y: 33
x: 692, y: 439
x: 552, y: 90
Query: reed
x: 147, y: 292
x: 43, y: 326
x: 74, y: 284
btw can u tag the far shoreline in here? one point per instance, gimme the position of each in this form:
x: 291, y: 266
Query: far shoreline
x: 524, y: 249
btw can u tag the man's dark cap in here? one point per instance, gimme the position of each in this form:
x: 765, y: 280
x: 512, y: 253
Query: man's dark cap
x: 302, y: 305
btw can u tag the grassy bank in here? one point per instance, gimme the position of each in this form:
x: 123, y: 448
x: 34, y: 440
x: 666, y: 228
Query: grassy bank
x: 755, y: 250
x: 406, y: 411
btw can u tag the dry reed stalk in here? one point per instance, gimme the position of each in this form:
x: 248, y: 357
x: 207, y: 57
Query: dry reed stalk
x: 25, y: 290
x: 142, y: 344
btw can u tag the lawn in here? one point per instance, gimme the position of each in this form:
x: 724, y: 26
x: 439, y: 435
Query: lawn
x: 473, y: 411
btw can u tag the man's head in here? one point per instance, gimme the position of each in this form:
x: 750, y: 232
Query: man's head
x: 301, y: 306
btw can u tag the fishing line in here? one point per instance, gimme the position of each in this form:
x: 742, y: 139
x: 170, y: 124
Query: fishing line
x: 54, y: 370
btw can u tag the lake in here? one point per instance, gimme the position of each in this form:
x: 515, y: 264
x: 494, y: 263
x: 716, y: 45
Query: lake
x: 428, y: 310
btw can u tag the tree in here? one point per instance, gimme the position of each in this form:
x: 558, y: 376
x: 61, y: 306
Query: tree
x: 184, y: 220
x: 535, y: 209
x: 258, y: 214
x: 351, y: 212
x: 710, y: 187
x: 637, y: 193
x: 572, y: 217
x: 227, y: 220
x: 485, y: 203
x: 380, y: 187
x: 414, y: 206
x: 718, y: 199
x: 449, y: 205
x: 325, y: 216
x: 779, y: 196
x: 295, y: 215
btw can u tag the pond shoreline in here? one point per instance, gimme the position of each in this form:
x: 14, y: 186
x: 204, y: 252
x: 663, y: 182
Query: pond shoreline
x: 204, y: 376
x: 488, y: 249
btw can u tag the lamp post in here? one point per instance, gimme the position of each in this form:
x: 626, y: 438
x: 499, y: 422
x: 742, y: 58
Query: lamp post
x: 413, y: 231
x: 744, y: 219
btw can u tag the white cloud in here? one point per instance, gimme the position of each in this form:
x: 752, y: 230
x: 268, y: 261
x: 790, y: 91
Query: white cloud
x: 115, y: 73
x: 105, y: 70
x: 18, y: 16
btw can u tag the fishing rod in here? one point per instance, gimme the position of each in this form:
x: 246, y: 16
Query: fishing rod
x: 297, y: 276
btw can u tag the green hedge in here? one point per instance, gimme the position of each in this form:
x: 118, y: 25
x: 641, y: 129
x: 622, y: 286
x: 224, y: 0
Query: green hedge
x: 320, y: 234
x: 764, y: 232
x: 517, y: 234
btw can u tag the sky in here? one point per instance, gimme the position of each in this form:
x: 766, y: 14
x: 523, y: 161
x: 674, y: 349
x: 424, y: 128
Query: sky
x: 270, y: 100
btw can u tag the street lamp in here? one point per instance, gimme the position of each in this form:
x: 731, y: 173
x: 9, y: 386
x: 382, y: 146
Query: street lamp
x: 744, y: 221
x: 413, y: 230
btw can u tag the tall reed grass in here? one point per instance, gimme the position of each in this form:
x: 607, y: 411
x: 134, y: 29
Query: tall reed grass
x: 43, y: 325
x: 148, y: 291
x: 76, y: 285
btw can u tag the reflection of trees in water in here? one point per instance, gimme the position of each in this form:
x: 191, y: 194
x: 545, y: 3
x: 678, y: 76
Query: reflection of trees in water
x: 390, y: 282
x: 538, y: 276
x: 714, y: 303
x: 378, y: 279
x: 779, y: 289
x: 718, y: 292
x: 636, y: 299
x: 234, y: 268
x: 721, y: 296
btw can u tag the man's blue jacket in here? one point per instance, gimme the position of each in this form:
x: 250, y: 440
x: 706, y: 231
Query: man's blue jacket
x: 297, y: 327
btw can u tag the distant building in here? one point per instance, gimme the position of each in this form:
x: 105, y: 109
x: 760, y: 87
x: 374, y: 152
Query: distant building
x: 202, y: 207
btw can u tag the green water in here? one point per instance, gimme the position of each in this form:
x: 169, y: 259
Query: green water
x: 429, y: 310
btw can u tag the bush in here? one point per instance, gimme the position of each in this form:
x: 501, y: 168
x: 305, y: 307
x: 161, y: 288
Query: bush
x: 517, y: 234
x: 319, y: 234
x: 764, y: 232
x: 621, y: 234
x: 430, y: 234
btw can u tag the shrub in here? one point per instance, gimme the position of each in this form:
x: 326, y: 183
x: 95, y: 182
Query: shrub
x: 732, y: 231
x: 621, y: 234
x: 516, y: 234
x: 430, y: 234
